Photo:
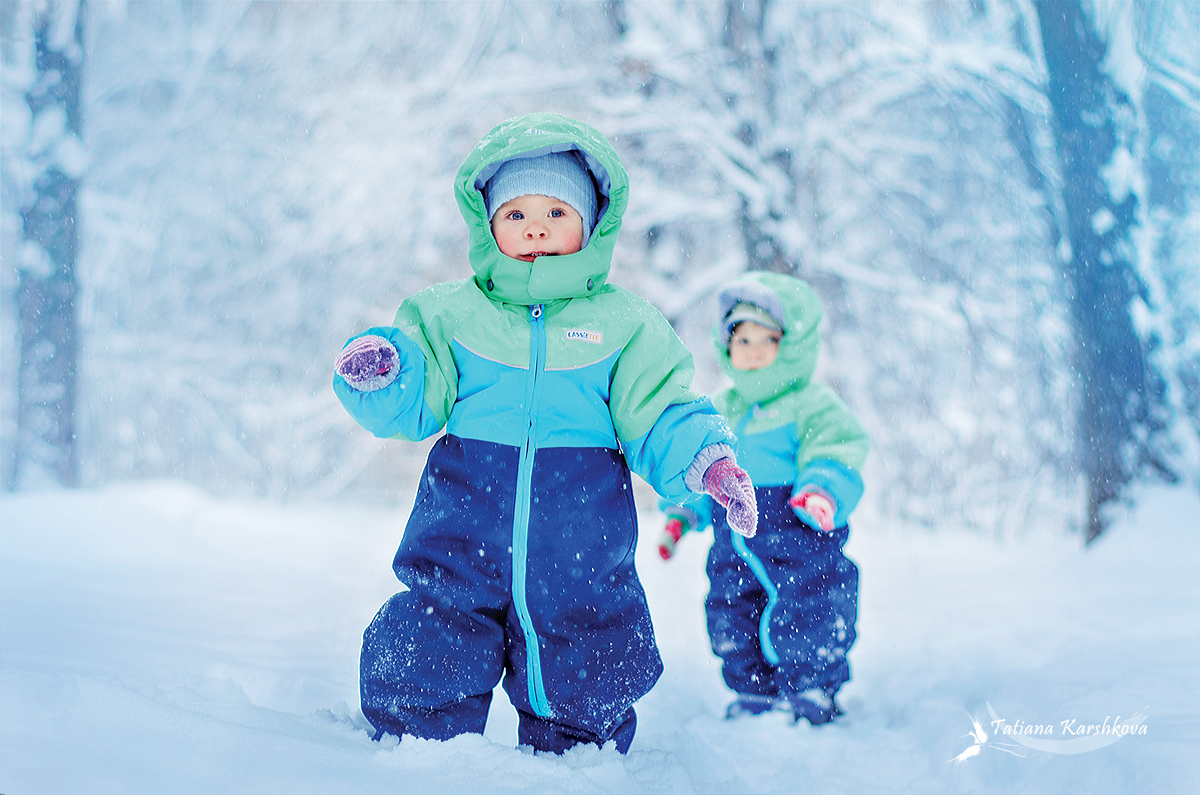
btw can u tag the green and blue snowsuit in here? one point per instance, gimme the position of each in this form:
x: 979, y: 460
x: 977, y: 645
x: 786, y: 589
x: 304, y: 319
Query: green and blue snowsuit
x: 782, y: 606
x: 518, y: 557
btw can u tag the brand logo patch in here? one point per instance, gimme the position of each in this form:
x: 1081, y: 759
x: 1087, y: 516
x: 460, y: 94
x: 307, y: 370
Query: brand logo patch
x: 581, y: 335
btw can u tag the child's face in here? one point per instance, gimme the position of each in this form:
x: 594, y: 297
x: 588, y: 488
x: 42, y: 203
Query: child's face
x: 536, y: 226
x: 752, y: 347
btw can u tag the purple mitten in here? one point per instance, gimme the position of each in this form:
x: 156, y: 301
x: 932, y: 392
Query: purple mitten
x: 368, y: 363
x: 729, y: 485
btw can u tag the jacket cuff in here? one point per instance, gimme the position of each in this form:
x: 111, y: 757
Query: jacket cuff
x: 694, y: 479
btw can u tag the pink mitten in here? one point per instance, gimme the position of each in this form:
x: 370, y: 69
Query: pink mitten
x: 368, y: 363
x: 672, y: 532
x: 816, y: 505
x: 729, y: 485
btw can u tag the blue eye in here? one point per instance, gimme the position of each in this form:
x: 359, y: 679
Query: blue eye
x: 516, y: 215
x: 557, y: 213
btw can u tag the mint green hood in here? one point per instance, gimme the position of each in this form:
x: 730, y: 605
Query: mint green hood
x: 547, y: 278
x: 799, y: 347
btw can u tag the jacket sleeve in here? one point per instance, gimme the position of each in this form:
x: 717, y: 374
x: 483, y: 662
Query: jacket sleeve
x: 661, y: 423
x: 399, y: 409
x: 833, y: 448
x: 417, y: 404
x: 663, y: 455
x: 425, y: 321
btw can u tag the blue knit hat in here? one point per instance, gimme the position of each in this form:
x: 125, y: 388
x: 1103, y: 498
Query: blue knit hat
x: 560, y: 175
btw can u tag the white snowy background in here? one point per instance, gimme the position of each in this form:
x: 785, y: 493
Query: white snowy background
x: 159, y: 640
x: 263, y: 179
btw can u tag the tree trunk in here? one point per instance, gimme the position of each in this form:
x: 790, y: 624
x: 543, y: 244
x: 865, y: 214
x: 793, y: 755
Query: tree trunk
x: 1116, y: 420
x: 49, y: 348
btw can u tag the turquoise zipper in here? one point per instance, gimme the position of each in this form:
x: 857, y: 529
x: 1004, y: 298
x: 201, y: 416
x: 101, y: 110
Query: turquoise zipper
x: 760, y: 573
x: 524, y: 497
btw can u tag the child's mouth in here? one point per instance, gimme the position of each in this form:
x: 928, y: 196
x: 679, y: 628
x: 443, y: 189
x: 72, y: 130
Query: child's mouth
x: 530, y: 257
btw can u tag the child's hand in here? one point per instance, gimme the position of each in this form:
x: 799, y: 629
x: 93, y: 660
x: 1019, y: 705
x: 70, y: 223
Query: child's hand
x: 681, y: 520
x: 368, y: 363
x: 817, y: 506
x: 730, y: 486
x: 672, y: 532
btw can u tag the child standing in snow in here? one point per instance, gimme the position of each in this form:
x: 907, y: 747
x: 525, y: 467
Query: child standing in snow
x: 552, y: 386
x: 782, y: 606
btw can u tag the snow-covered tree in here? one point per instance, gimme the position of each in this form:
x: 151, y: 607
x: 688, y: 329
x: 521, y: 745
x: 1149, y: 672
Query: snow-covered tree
x: 1125, y: 423
x: 44, y: 161
x: 1153, y: 58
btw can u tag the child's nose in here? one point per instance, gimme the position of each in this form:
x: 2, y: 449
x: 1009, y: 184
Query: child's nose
x: 536, y: 229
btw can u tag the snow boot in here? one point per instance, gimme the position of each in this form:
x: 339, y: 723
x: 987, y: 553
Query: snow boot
x: 815, y: 705
x: 749, y: 704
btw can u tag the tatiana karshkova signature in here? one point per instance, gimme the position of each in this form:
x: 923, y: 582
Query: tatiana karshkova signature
x: 1069, y: 737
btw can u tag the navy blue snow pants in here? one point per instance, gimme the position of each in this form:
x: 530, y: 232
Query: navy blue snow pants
x: 521, y: 573
x: 781, y: 606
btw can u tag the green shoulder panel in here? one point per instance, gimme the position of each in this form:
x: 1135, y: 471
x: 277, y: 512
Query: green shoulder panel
x: 731, y: 405
x: 655, y: 368
x: 828, y: 429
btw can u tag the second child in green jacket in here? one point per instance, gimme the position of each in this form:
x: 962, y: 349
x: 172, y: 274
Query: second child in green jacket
x: 782, y: 606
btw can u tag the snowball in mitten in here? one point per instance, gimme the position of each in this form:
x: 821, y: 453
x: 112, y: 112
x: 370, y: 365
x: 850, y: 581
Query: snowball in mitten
x: 368, y: 363
x: 730, y: 486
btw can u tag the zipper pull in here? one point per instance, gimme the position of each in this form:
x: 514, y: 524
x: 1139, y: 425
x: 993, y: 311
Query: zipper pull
x: 535, y: 311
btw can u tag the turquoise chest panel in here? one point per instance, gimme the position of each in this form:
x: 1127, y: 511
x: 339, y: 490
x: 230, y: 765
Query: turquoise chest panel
x: 768, y: 456
x: 572, y: 408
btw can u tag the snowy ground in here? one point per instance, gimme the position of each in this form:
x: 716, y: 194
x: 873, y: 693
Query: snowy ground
x: 156, y: 640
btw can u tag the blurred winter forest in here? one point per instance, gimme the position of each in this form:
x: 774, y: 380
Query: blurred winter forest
x: 1017, y: 326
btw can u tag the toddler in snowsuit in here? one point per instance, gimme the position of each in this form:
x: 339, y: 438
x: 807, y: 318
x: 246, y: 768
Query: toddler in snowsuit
x: 551, y: 385
x: 782, y: 606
